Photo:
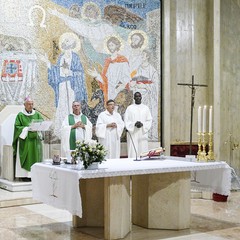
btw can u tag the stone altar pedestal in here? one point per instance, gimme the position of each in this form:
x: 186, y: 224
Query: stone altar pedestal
x: 158, y: 201
x: 106, y: 203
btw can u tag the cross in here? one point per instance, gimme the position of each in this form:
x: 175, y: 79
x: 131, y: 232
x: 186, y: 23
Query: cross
x: 193, y: 87
x: 11, y: 68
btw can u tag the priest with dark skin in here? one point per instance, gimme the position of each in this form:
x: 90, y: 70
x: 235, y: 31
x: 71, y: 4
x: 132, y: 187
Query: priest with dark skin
x: 138, y: 100
x: 138, y: 121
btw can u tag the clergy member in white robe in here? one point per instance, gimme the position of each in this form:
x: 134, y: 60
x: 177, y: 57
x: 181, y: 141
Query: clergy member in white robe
x: 138, y: 121
x: 75, y: 127
x: 109, y: 128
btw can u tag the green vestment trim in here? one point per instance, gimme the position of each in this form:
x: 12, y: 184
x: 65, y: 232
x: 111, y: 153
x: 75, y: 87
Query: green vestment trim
x: 71, y: 121
x: 30, y: 148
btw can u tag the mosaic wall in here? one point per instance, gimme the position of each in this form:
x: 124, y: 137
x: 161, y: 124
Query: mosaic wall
x: 59, y: 51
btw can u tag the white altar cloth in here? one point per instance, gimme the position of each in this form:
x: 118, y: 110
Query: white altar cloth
x: 59, y: 185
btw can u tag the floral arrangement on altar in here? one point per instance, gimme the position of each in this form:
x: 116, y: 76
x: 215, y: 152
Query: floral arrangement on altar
x: 89, y: 152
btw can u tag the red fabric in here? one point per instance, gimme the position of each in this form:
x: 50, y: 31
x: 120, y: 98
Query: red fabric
x: 219, y: 198
x: 182, y: 150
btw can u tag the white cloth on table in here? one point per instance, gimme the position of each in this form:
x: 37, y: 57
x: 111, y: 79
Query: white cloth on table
x: 211, y: 176
x: 57, y: 187
x: 217, y: 181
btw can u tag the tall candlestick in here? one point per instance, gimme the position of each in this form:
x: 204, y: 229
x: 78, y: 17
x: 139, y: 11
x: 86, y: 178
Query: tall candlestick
x: 199, y: 119
x: 210, y: 119
x: 204, y: 118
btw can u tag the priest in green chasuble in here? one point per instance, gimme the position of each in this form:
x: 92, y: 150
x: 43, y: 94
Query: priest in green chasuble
x: 75, y: 127
x: 27, y: 144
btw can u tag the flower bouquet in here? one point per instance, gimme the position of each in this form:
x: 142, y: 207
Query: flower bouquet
x: 89, y: 152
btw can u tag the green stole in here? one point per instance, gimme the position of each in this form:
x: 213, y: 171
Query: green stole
x: 71, y: 121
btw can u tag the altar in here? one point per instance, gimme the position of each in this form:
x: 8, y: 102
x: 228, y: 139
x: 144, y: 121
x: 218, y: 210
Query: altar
x: 160, y: 192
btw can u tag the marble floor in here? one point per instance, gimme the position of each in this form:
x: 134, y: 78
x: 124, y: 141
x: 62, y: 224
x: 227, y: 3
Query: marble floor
x: 22, y: 218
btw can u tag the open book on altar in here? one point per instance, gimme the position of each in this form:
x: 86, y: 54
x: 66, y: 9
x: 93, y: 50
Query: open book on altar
x: 156, y: 152
x: 40, y: 125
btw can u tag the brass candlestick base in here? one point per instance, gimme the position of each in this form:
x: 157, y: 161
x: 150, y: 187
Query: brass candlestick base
x: 210, y: 155
x: 199, y: 146
x: 202, y: 155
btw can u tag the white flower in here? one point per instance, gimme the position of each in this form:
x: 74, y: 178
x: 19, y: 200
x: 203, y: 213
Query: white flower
x: 89, y: 152
x: 91, y: 143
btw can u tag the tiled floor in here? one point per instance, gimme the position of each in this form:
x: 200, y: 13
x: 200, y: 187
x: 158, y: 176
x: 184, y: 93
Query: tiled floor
x: 209, y: 220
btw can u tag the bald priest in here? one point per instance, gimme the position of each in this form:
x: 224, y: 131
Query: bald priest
x: 27, y: 144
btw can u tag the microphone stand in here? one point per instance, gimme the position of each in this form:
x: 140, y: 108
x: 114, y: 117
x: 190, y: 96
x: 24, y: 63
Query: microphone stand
x: 42, y: 113
x: 130, y: 135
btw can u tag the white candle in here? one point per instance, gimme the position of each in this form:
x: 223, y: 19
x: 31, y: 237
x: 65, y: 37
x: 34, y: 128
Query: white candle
x: 199, y: 119
x: 210, y: 119
x: 204, y: 118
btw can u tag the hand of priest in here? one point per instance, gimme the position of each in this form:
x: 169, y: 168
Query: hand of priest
x: 138, y: 124
x: 112, y: 125
x: 78, y: 125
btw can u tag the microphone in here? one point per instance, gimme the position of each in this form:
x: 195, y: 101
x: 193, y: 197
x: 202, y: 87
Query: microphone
x: 130, y: 135
x: 42, y: 113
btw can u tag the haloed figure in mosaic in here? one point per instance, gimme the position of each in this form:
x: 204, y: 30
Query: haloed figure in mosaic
x: 90, y: 26
x: 146, y: 81
x: 116, y: 73
x: 138, y: 41
x: 67, y: 78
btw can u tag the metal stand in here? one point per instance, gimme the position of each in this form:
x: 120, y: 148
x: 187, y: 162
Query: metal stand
x: 193, y: 87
